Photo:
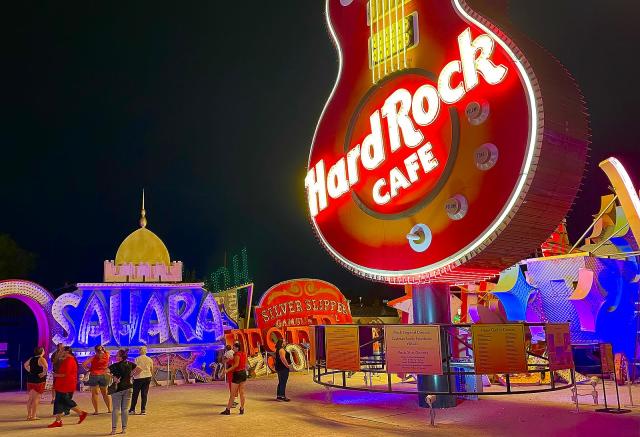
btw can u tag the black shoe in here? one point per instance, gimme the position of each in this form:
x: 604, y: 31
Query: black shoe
x: 280, y: 398
x: 286, y: 399
x: 226, y: 412
x: 241, y: 410
x: 143, y: 413
x: 132, y: 413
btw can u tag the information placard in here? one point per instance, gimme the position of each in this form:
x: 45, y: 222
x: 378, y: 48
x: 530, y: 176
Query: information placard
x: 606, y: 358
x: 499, y: 348
x: 342, y: 348
x: 413, y: 349
x: 559, y: 346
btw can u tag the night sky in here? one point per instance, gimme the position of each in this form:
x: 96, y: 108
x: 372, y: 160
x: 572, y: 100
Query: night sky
x: 211, y: 107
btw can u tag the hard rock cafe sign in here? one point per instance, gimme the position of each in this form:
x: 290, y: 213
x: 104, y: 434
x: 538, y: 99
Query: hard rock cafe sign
x: 450, y: 146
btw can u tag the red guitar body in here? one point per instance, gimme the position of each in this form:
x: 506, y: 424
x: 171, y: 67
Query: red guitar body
x: 451, y: 146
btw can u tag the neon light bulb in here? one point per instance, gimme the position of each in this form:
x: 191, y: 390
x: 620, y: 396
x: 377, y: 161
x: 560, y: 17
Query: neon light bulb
x: 177, y: 318
x: 63, y: 319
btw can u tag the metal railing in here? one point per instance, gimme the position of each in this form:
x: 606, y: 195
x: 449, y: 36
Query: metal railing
x: 371, y: 365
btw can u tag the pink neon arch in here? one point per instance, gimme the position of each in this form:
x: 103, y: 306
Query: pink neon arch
x: 39, y: 301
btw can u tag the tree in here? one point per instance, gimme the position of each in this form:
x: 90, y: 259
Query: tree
x: 15, y: 262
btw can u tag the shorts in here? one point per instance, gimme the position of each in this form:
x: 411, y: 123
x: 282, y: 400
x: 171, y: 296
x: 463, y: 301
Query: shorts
x: 63, y: 403
x: 239, y: 377
x: 97, y: 380
x: 38, y: 387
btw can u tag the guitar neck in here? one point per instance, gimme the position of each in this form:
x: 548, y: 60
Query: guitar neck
x: 391, y: 33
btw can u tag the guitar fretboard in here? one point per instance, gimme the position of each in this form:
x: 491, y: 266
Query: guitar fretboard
x: 391, y: 34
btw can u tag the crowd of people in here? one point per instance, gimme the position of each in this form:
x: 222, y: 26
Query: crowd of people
x: 118, y: 383
x: 121, y: 383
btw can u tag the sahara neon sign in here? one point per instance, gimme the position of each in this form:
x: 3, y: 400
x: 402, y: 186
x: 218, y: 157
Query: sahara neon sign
x: 412, y: 115
x: 137, y: 314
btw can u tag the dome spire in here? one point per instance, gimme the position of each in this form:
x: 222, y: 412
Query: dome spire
x: 143, y: 213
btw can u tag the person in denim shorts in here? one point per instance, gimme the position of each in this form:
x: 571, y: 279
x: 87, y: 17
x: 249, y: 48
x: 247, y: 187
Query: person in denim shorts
x: 98, y: 380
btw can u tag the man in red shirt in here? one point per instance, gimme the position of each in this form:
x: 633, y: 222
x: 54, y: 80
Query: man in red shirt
x: 65, y: 383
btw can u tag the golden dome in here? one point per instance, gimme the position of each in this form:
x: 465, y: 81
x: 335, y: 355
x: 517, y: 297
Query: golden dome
x: 142, y: 246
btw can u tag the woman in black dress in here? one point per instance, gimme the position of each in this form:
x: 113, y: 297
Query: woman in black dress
x: 283, y: 366
x: 36, y: 368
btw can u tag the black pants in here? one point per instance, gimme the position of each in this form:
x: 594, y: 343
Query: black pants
x: 140, y: 386
x: 283, y: 376
x: 63, y: 403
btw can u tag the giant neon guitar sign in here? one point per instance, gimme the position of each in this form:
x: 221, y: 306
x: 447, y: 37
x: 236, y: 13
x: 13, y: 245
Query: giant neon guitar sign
x: 437, y: 154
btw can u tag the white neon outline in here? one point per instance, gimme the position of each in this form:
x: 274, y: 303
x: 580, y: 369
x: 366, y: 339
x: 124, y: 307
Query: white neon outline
x: 417, y: 107
x: 442, y: 267
x: 449, y: 94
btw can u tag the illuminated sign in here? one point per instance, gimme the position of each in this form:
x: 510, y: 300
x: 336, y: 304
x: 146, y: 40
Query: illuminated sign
x: 434, y: 158
x: 302, y: 302
x: 179, y: 316
x: 408, y: 111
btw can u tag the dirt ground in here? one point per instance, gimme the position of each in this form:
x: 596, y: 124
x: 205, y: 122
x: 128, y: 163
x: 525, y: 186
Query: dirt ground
x: 192, y: 410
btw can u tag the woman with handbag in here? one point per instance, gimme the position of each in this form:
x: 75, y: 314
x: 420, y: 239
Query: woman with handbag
x: 239, y: 378
x: 120, y: 390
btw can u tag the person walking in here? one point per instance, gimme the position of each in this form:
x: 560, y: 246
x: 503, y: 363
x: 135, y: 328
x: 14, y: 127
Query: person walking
x: 239, y: 378
x: 97, y: 367
x: 141, y: 381
x: 65, y: 383
x: 120, y: 390
x: 283, y: 366
x: 227, y: 360
x: 55, y: 361
x: 36, y: 368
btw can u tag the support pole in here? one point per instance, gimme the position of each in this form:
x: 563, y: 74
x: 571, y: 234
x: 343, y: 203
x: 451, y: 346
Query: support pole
x: 431, y: 304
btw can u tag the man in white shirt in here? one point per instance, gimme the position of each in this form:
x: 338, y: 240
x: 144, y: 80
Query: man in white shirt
x: 141, y: 381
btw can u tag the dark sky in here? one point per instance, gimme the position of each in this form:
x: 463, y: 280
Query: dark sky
x: 211, y: 106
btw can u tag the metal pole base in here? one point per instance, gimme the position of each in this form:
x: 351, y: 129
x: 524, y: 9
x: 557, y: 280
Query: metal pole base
x: 613, y: 410
x: 431, y: 304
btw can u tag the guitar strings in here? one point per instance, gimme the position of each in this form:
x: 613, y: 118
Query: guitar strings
x: 397, y: 52
x: 381, y: 38
x: 404, y: 43
x: 384, y: 38
x: 371, y: 46
x: 378, y: 42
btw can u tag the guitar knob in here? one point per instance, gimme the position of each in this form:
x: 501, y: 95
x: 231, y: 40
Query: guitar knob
x: 457, y: 207
x: 346, y: 2
x: 477, y: 112
x: 419, y: 237
x: 486, y: 156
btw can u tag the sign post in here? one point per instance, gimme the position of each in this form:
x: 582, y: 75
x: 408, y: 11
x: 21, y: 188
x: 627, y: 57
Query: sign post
x: 607, y: 365
x: 431, y: 304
